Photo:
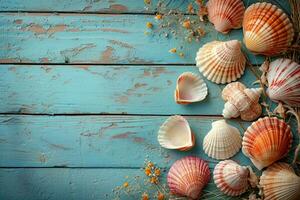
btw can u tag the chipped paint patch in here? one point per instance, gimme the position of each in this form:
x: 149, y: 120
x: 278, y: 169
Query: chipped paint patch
x: 121, y: 44
x: 106, y: 56
x: 122, y: 99
x: 18, y: 21
x: 113, y: 30
x: 38, y: 29
x: 118, y: 7
x: 123, y: 135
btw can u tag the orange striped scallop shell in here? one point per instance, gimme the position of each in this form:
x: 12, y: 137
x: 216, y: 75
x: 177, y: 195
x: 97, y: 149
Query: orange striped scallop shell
x: 267, y: 140
x: 267, y: 29
x: 225, y: 14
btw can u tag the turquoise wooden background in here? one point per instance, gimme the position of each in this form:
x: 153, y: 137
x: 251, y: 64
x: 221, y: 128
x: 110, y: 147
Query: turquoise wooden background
x: 83, y: 92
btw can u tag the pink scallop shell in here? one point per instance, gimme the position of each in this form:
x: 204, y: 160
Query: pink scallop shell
x: 188, y: 176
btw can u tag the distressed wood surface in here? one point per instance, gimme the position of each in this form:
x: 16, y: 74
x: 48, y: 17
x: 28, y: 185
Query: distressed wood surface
x: 102, y: 89
x: 102, y: 39
x: 104, y: 6
x: 78, y: 184
x: 95, y: 153
x: 95, y: 141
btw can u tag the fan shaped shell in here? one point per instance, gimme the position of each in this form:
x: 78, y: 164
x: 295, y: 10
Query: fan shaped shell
x: 267, y: 29
x: 221, y: 62
x: 231, y: 178
x: 279, y: 182
x: 225, y: 14
x: 284, y: 82
x: 222, y: 141
x: 188, y: 176
x: 190, y: 88
x: 266, y: 141
x: 175, y: 133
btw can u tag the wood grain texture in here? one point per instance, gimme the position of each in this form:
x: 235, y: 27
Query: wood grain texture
x: 101, y: 39
x: 103, y: 6
x: 78, y: 184
x: 102, y: 89
x: 95, y: 141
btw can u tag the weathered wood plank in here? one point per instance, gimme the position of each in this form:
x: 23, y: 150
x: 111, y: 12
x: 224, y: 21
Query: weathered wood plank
x: 102, y: 39
x: 107, y: 89
x: 78, y: 184
x: 103, y: 6
x: 95, y: 141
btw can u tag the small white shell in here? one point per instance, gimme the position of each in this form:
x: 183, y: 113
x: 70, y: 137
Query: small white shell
x: 231, y: 178
x: 175, y: 133
x: 221, y: 62
x: 190, y: 88
x: 222, y: 141
x: 284, y: 81
x: 279, y: 182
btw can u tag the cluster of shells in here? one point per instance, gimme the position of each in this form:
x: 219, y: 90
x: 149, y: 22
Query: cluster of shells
x: 268, y: 31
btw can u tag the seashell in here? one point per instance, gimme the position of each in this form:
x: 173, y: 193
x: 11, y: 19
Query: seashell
x: 188, y: 176
x: 231, y: 178
x: 241, y: 101
x: 225, y: 14
x: 221, y: 62
x: 267, y: 29
x: 266, y: 141
x: 190, y: 88
x: 175, y: 133
x: 222, y: 141
x: 279, y: 182
x: 284, y: 81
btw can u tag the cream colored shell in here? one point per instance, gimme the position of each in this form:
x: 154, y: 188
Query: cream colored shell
x: 221, y: 62
x: 175, y: 133
x: 222, y: 141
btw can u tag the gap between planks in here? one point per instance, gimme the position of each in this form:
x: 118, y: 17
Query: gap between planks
x: 110, y: 114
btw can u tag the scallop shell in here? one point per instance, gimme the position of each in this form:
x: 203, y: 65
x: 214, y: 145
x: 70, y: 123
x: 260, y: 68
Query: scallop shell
x: 175, y: 133
x: 231, y: 178
x: 284, y: 81
x: 225, y: 14
x: 190, y: 88
x: 266, y: 141
x: 279, y: 182
x: 241, y: 101
x: 222, y: 141
x: 221, y: 62
x: 267, y: 29
x: 188, y: 176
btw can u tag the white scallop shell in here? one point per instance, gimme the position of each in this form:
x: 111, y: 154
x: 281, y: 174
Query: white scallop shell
x: 222, y: 141
x: 221, y: 62
x: 175, y: 133
x: 190, y: 88
x: 279, y: 182
x: 284, y: 81
x: 231, y: 178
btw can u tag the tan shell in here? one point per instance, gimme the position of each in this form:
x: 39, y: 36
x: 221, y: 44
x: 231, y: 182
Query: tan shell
x: 241, y: 101
x: 225, y: 14
x: 279, y: 182
x: 221, y: 62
